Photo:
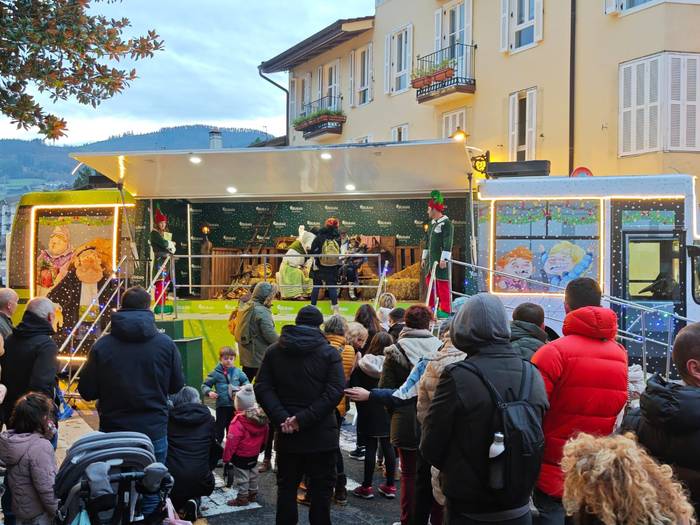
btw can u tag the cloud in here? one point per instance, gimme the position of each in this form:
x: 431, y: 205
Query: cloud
x: 208, y: 70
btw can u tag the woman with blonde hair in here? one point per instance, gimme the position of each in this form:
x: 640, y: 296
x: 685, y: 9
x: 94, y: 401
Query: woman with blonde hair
x: 611, y: 480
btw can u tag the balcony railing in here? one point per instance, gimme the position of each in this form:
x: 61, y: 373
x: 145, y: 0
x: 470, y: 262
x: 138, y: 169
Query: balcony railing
x: 324, y: 115
x: 446, y: 71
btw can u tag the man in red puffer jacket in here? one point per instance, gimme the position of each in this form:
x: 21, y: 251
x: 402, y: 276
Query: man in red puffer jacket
x: 585, y: 374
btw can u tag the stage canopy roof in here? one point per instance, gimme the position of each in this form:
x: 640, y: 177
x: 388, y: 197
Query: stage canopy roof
x: 316, y: 172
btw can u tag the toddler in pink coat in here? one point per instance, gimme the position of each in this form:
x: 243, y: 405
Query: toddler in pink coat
x: 246, y: 438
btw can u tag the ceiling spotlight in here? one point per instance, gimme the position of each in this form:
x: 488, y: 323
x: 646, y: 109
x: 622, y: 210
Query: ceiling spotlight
x: 195, y: 160
x: 231, y: 189
x: 326, y: 156
x: 350, y: 187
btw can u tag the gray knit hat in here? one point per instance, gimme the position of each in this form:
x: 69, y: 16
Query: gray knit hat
x: 245, y: 398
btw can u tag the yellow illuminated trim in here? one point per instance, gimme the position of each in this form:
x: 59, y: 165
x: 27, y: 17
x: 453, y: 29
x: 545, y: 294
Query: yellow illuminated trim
x: 78, y: 358
x: 582, y: 197
x: 32, y: 233
x: 492, y: 246
x: 122, y: 168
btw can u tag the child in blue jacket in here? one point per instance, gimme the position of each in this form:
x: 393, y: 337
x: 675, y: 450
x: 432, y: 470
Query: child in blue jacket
x: 221, y: 384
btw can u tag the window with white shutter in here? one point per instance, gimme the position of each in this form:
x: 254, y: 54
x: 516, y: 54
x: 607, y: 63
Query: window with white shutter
x: 522, y: 24
x: 659, y: 104
x: 522, y: 125
x: 331, y: 92
x: 399, y: 133
x: 363, y: 75
x: 351, y: 70
x: 452, y: 121
x: 292, y: 98
x: 370, y: 71
x: 398, y: 60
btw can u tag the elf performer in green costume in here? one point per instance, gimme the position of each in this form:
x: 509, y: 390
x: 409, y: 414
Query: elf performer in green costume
x: 162, y: 246
x: 439, y: 249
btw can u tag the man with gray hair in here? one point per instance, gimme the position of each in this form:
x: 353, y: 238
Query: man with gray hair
x: 8, y: 305
x: 29, y: 363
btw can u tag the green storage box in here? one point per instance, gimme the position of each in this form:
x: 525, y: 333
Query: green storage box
x: 175, y: 328
x: 191, y: 354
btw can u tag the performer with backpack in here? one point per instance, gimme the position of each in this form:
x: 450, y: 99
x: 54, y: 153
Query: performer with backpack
x: 326, y: 267
x: 483, y: 430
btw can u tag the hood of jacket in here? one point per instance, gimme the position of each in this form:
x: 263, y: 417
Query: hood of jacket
x: 521, y: 329
x: 255, y: 417
x: 671, y: 406
x: 134, y: 326
x: 32, y: 325
x: 261, y: 292
x: 300, y: 339
x: 337, y: 341
x: 481, y: 320
x: 416, y: 344
x: 13, y: 446
x: 595, y: 322
x: 372, y: 365
x: 190, y: 414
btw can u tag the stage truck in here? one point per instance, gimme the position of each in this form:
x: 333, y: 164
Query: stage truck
x: 234, y: 218
x: 636, y: 235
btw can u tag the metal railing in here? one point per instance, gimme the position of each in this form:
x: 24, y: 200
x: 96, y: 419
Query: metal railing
x: 268, y: 273
x: 327, y: 103
x: 117, y: 280
x: 646, y: 330
x: 450, y: 66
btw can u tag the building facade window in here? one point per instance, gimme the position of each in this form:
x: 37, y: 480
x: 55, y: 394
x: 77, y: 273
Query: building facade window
x: 522, y: 125
x: 399, y: 133
x: 398, y: 60
x: 625, y: 6
x: 453, y: 31
x: 332, y: 84
x: 659, y: 104
x: 453, y: 120
x: 522, y: 23
x: 364, y: 75
x: 292, y: 98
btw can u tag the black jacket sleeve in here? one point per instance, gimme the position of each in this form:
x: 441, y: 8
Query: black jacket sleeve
x: 177, y: 377
x: 43, y: 376
x: 329, y: 398
x: 265, y: 391
x: 437, y: 426
x: 88, y: 386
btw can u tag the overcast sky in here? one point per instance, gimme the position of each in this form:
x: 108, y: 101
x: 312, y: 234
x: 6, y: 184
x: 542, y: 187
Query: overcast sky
x: 207, y: 73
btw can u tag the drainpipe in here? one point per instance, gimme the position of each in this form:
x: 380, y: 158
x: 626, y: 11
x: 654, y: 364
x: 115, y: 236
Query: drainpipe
x: 572, y: 87
x: 286, y: 126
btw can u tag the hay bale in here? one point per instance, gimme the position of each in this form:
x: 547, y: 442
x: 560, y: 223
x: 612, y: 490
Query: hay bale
x: 410, y: 272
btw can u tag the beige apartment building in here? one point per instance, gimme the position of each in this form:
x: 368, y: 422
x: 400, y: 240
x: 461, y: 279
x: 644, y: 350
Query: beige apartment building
x: 607, y: 84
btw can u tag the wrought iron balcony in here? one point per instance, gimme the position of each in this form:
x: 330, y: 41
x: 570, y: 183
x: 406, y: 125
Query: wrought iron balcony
x: 321, y: 116
x: 445, y: 73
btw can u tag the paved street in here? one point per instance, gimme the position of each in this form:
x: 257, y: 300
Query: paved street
x: 378, y: 511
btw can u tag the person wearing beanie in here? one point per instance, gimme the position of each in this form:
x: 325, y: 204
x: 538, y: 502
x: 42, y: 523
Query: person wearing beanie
x: 299, y: 384
x: 326, y: 266
x: 246, y: 439
x: 458, y: 430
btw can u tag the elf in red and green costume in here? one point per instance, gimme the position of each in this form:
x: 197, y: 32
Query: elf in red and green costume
x: 162, y: 246
x: 439, y: 249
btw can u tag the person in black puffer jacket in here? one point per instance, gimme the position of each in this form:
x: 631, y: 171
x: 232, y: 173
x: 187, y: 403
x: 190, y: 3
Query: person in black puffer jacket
x: 527, y: 333
x: 192, y: 447
x: 299, y: 384
x: 460, y: 424
x: 29, y: 362
x: 668, y: 420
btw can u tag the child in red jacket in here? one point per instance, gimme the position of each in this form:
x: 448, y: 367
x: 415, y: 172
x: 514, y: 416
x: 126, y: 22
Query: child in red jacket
x: 246, y: 438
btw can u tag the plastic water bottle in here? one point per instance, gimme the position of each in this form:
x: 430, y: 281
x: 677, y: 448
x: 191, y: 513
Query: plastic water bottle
x: 497, y: 462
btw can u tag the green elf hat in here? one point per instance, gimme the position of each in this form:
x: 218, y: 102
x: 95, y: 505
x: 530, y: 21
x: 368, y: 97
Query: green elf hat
x: 437, y: 201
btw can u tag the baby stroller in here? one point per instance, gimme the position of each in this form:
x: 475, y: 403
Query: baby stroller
x: 104, y: 477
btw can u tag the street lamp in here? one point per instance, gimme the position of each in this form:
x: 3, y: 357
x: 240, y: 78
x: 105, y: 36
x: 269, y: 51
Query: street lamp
x: 478, y: 163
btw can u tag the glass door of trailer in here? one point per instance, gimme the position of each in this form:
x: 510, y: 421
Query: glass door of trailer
x: 648, y: 269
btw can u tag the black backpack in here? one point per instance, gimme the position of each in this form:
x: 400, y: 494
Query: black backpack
x: 523, y: 436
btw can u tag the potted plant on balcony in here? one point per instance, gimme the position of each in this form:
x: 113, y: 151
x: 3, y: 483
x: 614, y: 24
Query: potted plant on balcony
x: 317, y: 117
x: 443, y: 71
x: 421, y: 78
